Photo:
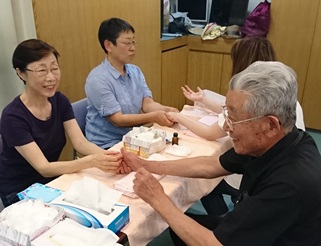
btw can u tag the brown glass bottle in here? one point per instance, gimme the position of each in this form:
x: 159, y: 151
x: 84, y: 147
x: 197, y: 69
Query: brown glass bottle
x: 175, y: 138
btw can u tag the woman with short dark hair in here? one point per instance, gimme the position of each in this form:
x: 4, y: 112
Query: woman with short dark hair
x: 34, y: 124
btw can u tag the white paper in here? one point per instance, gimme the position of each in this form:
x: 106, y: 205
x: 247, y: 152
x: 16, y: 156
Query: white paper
x: 125, y: 184
x: 91, y: 193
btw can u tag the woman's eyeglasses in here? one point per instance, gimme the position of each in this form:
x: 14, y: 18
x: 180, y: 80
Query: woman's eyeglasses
x: 42, y: 72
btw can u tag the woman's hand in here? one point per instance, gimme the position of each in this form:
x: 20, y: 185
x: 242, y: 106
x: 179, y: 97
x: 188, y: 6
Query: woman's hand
x: 171, y: 109
x: 173, y: 116
x: 161, y: 118
x: 107, y: 161
x: 193, y: 96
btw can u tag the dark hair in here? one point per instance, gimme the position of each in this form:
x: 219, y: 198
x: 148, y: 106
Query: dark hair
x: 110, y: 29
x: 29, y: 51
x: 251, y: 49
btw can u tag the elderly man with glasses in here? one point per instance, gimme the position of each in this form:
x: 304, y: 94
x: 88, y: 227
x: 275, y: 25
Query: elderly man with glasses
x: 117, y: 91
x: 280, y: 198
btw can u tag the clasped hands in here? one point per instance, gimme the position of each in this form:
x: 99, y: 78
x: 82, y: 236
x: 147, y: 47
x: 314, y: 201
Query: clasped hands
x: 146, y: 186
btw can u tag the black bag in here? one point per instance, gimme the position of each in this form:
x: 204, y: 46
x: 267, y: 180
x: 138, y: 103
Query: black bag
x: 178, y: 26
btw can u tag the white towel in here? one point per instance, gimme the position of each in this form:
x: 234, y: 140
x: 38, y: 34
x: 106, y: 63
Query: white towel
x: 179, y: 150
x: 125, y: 184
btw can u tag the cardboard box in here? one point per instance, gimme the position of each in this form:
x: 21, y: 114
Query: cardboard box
x: 115, y: 221
x: 144, y: 147
x: 13, y: 237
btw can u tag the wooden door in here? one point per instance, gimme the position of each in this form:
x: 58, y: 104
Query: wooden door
x: 311, y: 97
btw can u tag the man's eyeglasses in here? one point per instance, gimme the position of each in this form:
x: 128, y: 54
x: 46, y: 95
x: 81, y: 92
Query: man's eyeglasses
x: 230, y: 123
x: 129, y: 43
x: 42, y: 72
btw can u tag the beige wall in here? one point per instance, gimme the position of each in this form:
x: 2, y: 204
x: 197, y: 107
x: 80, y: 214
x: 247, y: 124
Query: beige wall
x: 72, y: 26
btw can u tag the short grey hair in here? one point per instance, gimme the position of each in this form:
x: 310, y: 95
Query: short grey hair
x: 271, y: 89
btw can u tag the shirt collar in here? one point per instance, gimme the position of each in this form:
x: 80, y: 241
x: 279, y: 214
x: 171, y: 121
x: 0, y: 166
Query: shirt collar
x: 259, y: 163
x: 113, y: 71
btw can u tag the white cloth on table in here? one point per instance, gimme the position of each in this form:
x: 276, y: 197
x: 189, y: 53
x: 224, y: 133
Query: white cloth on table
x: 125, y: 184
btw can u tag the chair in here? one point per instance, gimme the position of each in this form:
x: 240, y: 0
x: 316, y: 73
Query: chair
x: 0, y: 145
x: 80, y: 111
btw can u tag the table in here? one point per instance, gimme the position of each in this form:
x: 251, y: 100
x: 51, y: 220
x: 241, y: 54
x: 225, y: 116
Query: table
x: 145, y: 224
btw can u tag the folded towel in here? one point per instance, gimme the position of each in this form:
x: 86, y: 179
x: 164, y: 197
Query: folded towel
x: 179, y: 150
x: 125, y: 184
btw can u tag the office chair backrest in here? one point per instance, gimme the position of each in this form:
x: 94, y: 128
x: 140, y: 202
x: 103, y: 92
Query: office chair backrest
x: 0, y: 144
x: 80, y: 111
x: 1, y: 205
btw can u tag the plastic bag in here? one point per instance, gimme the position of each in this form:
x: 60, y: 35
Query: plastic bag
x: 257, y: 23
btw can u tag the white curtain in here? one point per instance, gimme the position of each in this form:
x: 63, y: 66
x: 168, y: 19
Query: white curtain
x: 16, y: 25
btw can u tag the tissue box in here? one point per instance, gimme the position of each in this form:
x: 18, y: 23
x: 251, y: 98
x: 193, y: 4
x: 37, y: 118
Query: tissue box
x: 114, y: 221
x: 10, y: 236
x: 144, y: 141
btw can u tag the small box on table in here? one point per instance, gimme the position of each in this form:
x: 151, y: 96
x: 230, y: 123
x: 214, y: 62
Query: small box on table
x: 144, y: 141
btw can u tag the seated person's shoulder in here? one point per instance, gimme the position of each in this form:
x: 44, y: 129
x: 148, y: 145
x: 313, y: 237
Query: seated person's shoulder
x: 133, y: 68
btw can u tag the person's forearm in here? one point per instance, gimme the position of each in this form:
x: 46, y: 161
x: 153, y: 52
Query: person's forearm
x: 87, y: 148
x: 64, y: 167
x: 130, y: 120
x: 212, y: 104
x: 186, y: 228
x: 207, y: 132
x: 196, y: 167
x: 154, y: 106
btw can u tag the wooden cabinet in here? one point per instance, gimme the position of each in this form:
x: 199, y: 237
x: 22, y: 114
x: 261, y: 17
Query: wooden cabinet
x: 209, y: 64
x: 174, y: 67
x: 192, y: 61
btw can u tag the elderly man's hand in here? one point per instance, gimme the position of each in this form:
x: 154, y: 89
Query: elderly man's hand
x: 130, y: 160
x: 147, y: 187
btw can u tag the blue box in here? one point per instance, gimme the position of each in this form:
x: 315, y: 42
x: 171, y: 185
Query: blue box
x: 39, y: 191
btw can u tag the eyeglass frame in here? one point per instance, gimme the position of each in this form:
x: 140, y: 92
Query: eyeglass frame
x: 230, y: 123
x: 36, y: 71
x: 129, y: 44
